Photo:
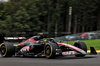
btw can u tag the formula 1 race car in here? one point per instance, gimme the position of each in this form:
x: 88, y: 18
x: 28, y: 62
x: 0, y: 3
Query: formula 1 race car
x: 49, y: 48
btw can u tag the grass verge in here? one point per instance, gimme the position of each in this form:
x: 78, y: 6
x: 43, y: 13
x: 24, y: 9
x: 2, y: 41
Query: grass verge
x: 89, y: 43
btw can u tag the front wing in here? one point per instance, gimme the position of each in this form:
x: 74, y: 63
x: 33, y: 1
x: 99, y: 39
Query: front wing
x: 77, y: 51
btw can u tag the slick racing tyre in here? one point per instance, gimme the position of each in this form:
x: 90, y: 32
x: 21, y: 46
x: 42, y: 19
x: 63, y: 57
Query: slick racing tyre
x: 82, y: 46
x: 7, y: 50
x: 50, y: 50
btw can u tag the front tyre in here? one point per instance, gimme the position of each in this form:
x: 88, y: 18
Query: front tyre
x: 82, y: 46
x: 7, y: 50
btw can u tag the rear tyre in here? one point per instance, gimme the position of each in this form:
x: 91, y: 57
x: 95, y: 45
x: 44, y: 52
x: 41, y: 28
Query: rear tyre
x: 50, y: 50
x: 82, y: 46
x: 7, y: 50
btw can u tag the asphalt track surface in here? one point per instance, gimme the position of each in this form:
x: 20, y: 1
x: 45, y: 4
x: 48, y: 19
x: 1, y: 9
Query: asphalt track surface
x: 89, y: 60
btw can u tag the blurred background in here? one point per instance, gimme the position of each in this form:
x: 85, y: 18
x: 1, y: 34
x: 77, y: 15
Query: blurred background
x: 60, y: 19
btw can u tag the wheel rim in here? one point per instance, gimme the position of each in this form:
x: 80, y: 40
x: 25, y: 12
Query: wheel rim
x: 47, y: 50
x: 3, y: 50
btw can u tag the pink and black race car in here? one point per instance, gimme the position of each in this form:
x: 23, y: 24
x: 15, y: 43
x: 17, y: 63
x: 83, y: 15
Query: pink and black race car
x: 38, y: 46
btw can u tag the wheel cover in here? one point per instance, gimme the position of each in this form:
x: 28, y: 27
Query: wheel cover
x: 48, y: 50
x: 3, y: 50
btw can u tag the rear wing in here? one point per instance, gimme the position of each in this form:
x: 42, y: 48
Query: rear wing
x: 15, y: 38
